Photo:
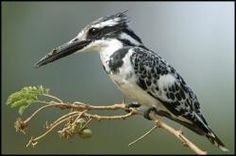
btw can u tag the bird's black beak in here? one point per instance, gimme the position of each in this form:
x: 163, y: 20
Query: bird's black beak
x: 62, y: 51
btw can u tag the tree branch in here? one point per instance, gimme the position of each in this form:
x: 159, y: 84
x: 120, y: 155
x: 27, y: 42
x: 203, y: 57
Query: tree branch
x: 79, y: 110
x: 178, y: 134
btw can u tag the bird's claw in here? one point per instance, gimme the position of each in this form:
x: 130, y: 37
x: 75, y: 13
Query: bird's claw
x: 147, y: 112
x: 133, y: 104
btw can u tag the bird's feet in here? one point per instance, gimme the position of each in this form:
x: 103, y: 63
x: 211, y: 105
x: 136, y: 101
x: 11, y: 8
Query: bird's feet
x: 146, y: 113
x: 133, y: 104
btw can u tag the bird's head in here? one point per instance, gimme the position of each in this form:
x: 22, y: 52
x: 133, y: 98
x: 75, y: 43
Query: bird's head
x: 96, y: 36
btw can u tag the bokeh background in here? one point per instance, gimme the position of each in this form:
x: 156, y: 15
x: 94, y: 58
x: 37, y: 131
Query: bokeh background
x: 196, y: 38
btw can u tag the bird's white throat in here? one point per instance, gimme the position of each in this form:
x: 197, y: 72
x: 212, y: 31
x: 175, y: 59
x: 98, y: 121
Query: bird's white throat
x: 107, y: 48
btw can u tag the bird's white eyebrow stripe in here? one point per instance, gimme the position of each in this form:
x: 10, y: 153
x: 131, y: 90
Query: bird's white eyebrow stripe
x: 110, y: 23
x: 129, y: 38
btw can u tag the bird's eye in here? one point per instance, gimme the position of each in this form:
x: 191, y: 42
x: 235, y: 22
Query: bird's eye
x: 94, y: 31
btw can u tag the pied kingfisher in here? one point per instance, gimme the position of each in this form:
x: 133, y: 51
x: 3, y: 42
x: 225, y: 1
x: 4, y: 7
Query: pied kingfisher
x: 138, y: 72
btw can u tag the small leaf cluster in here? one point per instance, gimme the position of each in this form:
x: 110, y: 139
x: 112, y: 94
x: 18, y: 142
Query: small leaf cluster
x: 25, y: 97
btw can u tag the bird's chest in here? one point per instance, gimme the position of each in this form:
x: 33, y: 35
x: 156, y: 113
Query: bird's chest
x: 118, y: 66
x: 121, y: 72
x: 126, y: 80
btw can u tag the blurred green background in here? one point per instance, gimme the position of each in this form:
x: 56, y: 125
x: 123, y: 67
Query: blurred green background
x: 196, y: 38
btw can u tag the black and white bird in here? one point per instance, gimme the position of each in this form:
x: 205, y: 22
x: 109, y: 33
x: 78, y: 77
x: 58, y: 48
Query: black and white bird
x: 138, y: 72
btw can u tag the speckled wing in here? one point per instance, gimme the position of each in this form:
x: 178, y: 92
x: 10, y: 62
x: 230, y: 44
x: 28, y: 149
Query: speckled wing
x: 162, y: 82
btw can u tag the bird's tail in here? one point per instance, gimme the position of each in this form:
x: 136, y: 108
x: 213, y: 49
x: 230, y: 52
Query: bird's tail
x: 215, y: 140
x: 203, y: 129
x: 200, y: 127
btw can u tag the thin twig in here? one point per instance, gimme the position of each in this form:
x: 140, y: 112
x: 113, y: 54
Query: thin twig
x: 86, y: 124
x: 63, y: 117
x: 142, y: 136
x: 34, y: 141
x: 38, y: 110
x: 53, y: 97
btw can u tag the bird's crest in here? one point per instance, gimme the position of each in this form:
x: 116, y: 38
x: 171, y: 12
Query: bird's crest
x: 118, y: 19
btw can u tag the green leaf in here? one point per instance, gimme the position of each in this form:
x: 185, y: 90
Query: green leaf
x: 18, y: 103
x: 25, y: 97
x: 22, y: 109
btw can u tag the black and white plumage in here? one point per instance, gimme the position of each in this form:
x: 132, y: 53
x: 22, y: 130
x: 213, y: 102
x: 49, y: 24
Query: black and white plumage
x: 138, y: 72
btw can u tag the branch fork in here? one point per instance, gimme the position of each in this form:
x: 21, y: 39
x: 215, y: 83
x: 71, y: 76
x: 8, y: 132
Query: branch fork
x: 80, y: 110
